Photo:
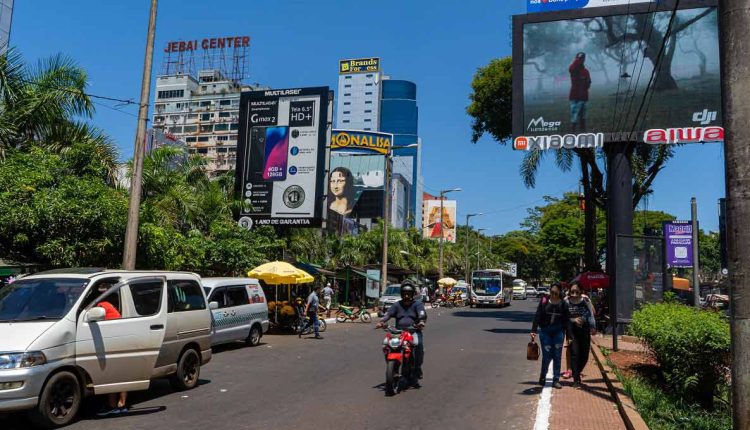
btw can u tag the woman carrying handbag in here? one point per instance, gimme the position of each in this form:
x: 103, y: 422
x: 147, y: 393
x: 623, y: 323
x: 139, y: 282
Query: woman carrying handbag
x: 551, y: 321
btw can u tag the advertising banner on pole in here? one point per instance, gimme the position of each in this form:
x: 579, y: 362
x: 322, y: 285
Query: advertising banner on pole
x: 372, y: 288
x: 281, y: 156
x: 641, y: 71
x: 431, y: 222
x: 679, y: 239
x: 533, y: 6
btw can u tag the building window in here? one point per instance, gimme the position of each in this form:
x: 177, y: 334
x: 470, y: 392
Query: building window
x: 368, y: 102
x: 192, y: 116
x: 206, y: 128
x: 368, y: 120
x: 158, y: 118
x: 170, y: 94
x: 206, y: 117
x: 234, y: 127
x: 222, y: 138
x: 224, y: 114
x: 206, y: 103
x: 202, y: 138
x: 346, y: 121
x: 368, y: 111
x: 202, y: 151
x: 347, y: 94
x: 367, y: 129
x: 369, y: 93
x: 347, y: 112
x: 347, y: 103
x: 190, y: 139
x: 190, y: 129
x: 369, y: 75
x: 369, y: 84
x: 348, y: 86
x: 225, y: 103
x: 347, y: 77
x: 221, y: 127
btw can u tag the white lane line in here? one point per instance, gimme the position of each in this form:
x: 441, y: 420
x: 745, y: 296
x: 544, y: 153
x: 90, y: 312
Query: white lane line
x: 544, y: 407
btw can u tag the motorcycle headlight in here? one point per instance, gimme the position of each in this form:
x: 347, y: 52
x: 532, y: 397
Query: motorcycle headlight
x: 394, y: 343
x: 20, y: 360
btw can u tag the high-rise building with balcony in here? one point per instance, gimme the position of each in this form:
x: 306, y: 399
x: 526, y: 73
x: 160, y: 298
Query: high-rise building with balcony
x: 6, y: 18
x: 202, y: 112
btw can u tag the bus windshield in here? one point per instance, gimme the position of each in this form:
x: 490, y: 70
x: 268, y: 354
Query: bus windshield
x: 487, y: 286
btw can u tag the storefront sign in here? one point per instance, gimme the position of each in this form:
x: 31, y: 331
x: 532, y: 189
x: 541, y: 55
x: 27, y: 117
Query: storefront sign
x: 361, y: 140
x: 556, y: 141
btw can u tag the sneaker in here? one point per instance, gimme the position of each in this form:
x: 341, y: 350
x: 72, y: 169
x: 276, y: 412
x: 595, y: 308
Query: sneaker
x: 567, y: 374
x: 124, y: 410
x: 557, y: 385
x: 576, y: 384
x: 542, y: 381
x: 106, y: 412
x: 318, y: 337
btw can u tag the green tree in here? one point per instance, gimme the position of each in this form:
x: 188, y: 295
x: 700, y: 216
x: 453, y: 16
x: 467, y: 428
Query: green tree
x: 492, y: 100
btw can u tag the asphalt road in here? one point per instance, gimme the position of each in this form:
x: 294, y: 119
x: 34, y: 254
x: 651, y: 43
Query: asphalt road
x: 476, y: 377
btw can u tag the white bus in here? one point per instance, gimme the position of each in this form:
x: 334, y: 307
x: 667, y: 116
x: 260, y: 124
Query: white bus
x: 491, y: 287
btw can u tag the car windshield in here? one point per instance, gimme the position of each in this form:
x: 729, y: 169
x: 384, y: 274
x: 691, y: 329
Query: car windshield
x: 393, y: 290
x: 39, y: 299
x: 486, y: 287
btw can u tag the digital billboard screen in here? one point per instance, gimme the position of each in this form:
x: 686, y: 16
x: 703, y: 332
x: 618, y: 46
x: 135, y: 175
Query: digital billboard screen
x: 281, y: 158
x: 586, y: 72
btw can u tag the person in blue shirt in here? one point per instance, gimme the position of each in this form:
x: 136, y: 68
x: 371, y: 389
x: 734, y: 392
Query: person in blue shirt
x: 311, y: 310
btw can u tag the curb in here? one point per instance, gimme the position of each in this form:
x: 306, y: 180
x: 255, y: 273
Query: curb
x: 630, y: 416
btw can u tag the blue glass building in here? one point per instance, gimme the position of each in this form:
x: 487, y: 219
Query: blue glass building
x: 399, y: 114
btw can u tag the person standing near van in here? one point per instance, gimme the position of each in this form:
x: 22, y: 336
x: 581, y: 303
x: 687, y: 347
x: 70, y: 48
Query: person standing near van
x: 117, y: 402
x: 311, y: 310
x: 551, y: 320
x: 327, y: 299
x: 581, y: 327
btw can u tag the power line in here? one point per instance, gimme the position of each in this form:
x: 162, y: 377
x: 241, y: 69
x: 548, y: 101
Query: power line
x: 90, y: 95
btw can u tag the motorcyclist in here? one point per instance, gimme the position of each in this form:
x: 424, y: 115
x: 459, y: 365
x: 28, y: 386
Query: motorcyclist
x: 409, y: 313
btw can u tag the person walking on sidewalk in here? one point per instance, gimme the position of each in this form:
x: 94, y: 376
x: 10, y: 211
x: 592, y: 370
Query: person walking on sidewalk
x: 551, y: 320
x: 327, y: 298
x: 581, y: 327
x: 311, y: 310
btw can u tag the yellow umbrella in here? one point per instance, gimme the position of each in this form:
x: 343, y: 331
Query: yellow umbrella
x: 278, y: 273
x: 447, y: 282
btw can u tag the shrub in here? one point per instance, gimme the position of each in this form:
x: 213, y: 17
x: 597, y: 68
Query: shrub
x: 690, y: 346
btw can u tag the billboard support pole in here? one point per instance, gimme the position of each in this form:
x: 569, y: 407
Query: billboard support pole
x: 734, y: 20
x: 696, y: 254
x: 440, y: 265
x: 386, y: 221
x: 619, y: 222
x: 131, y: 229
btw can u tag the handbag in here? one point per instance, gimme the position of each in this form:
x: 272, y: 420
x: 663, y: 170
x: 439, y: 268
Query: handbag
x: 532, y: 351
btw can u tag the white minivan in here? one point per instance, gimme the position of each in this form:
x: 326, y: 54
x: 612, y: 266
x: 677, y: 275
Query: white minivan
x: 242, y: 312
x: 69, y: 333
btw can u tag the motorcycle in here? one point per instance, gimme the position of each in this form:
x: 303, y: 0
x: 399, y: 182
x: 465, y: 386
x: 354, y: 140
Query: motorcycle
x: 299, y: 322
x: 442, y: 301
x: 346, y: 313
x: 398, y: 347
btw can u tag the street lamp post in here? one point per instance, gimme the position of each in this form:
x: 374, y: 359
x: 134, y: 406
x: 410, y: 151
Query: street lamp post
x: 466, y: 246
x: 479, y: 235
x: 442, y: 227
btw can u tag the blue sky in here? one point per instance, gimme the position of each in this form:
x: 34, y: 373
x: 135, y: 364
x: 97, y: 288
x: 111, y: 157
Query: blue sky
x: 438, y: 45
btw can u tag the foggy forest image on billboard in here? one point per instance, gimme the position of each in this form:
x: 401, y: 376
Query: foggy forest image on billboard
x: 590, y: 74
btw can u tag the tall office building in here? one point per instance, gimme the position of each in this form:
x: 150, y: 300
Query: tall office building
x: 399, y: 115
x: 358, y: 105
x: 6, y: 18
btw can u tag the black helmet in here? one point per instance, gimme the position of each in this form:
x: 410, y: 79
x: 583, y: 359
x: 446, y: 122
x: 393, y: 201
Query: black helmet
x: 407, y: 288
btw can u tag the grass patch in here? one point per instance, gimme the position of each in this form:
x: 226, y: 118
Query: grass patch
x: 662, y: 411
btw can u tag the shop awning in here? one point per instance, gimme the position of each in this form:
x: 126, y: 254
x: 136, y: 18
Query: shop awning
x: 313, y: 269
x: 366, y: 276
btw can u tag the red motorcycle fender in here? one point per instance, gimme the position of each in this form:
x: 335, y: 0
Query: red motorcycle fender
x: 397, y: 356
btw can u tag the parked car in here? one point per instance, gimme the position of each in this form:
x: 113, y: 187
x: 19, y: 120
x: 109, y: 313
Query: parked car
x: 531, y: 291
x: 519, y: 292
x: 93, y: 331
x: 242, y: 311
x: 542, y: 291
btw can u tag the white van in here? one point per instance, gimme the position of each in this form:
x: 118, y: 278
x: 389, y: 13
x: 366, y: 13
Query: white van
x: 70, y: 333
x: 242, y: 312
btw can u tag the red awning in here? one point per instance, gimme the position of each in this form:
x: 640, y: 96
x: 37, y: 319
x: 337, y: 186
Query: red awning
x: 592, y: 280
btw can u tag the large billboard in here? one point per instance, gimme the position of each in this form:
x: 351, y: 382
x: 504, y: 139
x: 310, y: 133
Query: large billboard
x: 582, y: 75
x: 431, y: 228
x: 356, y: 179
x: 359, y: 65
x: 281, y: 156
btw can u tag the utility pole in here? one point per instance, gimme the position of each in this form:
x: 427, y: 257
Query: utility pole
x: 479, y: 237
x: 131, y: 230
x: 734, y: 20
x: 466, y: 246
x: 386, y: 221
x: 696, y: 254
x: 442, y: 226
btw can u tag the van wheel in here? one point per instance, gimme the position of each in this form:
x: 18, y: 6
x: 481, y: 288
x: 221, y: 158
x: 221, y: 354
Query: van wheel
x: 188, y: 371
x: 58, y: 403
x: 253, y: 339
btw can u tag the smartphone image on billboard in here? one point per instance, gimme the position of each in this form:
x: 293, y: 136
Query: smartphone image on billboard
x: 276, y: 153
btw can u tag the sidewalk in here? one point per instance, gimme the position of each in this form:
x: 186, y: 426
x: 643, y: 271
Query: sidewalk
x: 589, y: 408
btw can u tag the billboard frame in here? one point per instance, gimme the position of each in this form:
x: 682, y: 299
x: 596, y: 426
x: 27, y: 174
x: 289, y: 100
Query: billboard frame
x: 243, y: 146
x: 570, y: 14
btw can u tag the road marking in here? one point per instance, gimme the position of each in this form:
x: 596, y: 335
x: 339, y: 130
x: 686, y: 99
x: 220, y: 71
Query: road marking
x: 544, y: 407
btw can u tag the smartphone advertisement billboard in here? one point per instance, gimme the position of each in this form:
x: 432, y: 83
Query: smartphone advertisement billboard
x: 356, y: 182
x: 583, y: 76
x: 281, y: 156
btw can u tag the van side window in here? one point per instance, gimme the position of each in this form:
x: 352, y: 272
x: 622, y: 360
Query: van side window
x: 237, y: 295
x: 218, y: 296
x: 96, y: 291
x: 185, y: 296
x: 147, y: 297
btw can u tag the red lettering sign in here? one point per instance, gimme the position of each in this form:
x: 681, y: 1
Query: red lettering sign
x: 208, y: 43
x: 659, y: 136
